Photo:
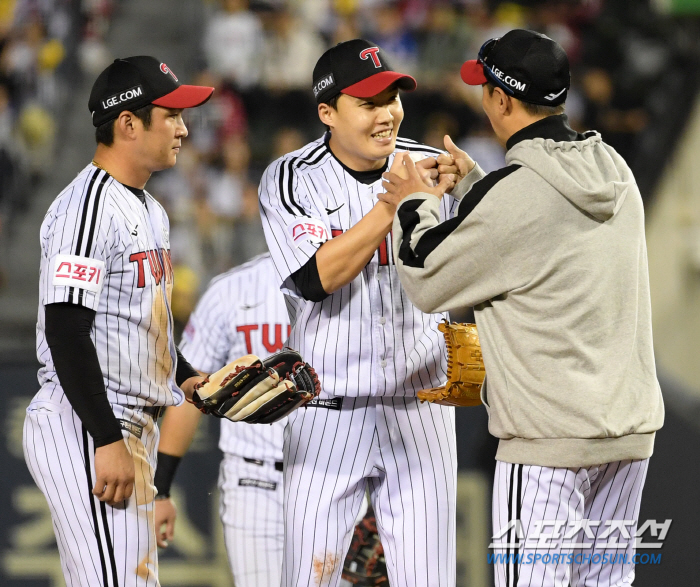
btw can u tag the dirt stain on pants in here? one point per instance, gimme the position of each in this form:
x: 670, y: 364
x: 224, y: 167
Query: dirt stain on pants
x: 325, y: 567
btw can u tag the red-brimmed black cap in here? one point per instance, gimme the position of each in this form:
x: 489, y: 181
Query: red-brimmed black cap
x: 526, y: 65
x: 357, y: 68
x: 134, y: 82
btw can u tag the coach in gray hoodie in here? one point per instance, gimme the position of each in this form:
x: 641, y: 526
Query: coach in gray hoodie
x: 550, y: 251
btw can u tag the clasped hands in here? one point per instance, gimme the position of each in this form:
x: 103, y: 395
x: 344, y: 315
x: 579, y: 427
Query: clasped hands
x: 436, y: 176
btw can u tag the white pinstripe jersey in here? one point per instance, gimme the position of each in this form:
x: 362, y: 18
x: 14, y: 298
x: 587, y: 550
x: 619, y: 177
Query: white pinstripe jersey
x: 242, y: 312
x: 367, y: 338
x: 103, y: 249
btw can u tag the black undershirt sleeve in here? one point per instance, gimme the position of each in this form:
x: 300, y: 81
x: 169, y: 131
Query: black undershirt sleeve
x: 184, y: 370
x: 165, y: 473
x: 68, y: 328
x: 308, y: 281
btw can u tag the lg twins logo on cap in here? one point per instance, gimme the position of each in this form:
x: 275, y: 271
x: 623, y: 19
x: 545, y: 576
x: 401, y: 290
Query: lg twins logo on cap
x: 165, y: 69
x: 371, y: 52
x: 75, y: 271
x: 325, y: 82
x: 126, y: 96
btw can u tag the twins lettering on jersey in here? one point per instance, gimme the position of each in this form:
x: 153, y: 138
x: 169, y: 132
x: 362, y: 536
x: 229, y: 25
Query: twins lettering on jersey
x: 160, y: 263
x: 270, y: 346
x: 75, y: 271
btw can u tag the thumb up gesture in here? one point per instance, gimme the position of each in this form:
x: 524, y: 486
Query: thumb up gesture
x: 453, y: 166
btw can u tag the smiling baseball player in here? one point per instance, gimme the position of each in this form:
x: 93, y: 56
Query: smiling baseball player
x: 104, y: 332
x: 373, y: 349
x: 242, y: 312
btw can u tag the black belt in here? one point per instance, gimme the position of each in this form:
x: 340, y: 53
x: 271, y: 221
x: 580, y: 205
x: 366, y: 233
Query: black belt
x: 279, y: 466
x: 153, y: 411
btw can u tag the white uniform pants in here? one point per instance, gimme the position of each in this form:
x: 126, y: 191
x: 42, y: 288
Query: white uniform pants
x: 99, y: 545
x: 609, y: 494
x: 251, y: 512
x: 404, y: 451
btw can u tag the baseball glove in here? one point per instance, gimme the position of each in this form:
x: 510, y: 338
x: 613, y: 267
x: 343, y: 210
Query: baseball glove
x: 465, y: 368
x: 258, y: 391
x: 365, y: 563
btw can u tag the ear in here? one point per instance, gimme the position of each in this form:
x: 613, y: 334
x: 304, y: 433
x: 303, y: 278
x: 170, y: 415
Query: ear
x: 326, y: 114
x: 126, y: 124
x: 505, y: 104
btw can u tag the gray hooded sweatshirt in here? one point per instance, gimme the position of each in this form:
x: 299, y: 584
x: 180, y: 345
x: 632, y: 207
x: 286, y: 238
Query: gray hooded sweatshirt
x: 550, y: 251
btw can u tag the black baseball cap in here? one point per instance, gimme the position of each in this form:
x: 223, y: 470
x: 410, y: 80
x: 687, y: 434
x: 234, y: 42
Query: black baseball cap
x: 134, y: 82
x: 357, y: 68
x: 527, y: 65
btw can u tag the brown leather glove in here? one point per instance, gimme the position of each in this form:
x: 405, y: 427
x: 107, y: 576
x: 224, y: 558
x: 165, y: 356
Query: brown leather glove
x: 465, y: 368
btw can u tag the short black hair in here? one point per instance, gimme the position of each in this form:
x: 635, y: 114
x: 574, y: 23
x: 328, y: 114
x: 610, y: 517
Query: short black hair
x: 333, y: 102
x: 104, y: 134
x: 534, y: 109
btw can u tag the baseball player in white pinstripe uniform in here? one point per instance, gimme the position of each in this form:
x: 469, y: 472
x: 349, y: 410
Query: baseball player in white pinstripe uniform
x: 241, y: 313
x: 550, y: 251
x: 373, y: 350
x: 104, y: 333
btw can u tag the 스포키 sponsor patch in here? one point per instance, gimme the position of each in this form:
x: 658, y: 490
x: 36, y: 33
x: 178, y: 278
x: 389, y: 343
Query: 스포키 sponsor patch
x: 307, y: 230
x: 75, y: 271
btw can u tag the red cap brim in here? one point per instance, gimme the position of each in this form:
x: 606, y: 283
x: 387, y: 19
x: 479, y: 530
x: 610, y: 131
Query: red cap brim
x: 472, y: 73
x: 185, y: 97
x: 377, y: 83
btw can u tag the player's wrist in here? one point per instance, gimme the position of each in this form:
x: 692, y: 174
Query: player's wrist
x: 189, y: 386
x: 385, y: 214
x: 165, y: 473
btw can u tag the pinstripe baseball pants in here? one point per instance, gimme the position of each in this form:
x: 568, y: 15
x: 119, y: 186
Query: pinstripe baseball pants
x: 99, y: 545
x: 582, y: 517
x: 251, y: 512
x: 405, y: 453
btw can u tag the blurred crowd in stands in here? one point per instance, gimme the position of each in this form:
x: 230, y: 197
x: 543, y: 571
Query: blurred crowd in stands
x: 259, y: 54
x: 39, y: 40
